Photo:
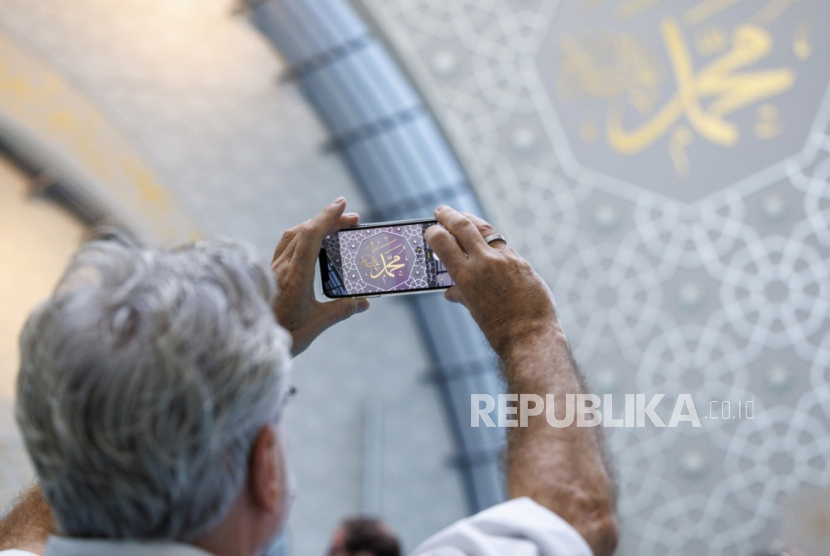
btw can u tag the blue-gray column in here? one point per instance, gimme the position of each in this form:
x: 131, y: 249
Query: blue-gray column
x: 405, y: 168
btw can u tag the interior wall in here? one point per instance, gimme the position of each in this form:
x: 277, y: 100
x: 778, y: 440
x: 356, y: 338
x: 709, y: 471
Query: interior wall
x: 37, y: 239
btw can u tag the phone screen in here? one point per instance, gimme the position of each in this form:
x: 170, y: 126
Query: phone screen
x: 382, y: 259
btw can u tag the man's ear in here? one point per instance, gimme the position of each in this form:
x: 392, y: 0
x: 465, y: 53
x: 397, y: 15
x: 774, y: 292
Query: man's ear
x: 265, y: 473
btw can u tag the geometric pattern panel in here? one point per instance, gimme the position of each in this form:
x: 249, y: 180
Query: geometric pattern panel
x: 694, y: 261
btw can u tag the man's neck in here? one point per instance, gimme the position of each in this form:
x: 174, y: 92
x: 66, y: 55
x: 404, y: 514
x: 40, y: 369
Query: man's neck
x: 236, y: 535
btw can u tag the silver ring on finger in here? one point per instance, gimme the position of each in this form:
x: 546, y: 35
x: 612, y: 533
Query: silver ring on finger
x: 495, y: 237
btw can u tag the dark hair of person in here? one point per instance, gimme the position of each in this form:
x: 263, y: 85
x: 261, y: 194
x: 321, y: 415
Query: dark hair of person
x: 369, y: 535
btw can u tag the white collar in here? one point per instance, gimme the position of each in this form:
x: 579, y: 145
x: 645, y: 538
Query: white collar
x: 65, y: 546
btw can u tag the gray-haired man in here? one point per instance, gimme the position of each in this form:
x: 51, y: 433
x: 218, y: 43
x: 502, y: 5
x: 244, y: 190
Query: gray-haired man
x: 152, y: 381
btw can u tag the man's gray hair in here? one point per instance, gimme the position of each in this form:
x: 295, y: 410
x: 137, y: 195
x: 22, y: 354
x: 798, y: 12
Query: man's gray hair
x: 143, y: 382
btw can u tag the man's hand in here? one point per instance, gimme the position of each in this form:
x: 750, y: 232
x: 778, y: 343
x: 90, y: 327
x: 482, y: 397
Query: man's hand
x: 503, y: 293
x: 294, y: 264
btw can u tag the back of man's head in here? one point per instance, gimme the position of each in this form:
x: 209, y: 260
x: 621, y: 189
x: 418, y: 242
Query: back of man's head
x: 364, y: 536
x: 143, y: 382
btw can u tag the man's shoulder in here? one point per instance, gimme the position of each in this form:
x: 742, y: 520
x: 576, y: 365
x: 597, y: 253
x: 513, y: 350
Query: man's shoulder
x: 16, y: 553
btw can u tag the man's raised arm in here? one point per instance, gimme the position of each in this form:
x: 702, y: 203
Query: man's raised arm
x: 563, y: 469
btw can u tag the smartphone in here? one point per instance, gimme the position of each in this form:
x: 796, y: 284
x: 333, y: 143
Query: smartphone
x: 389, y: 258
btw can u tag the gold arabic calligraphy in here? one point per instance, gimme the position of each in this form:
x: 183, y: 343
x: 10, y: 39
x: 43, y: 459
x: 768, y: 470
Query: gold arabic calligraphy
x: 391, y: 261
x: 389, y: 267
x: 720, y: 80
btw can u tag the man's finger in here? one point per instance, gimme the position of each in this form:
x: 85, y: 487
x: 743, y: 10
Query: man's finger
x: 282, y: 258
x: 454, y: 294
x: 286, y: 240
x: 485, y: 229
x: 310, y: 235
x: 333, y: 312
x: 462, y: 228
x: 445, y: 247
